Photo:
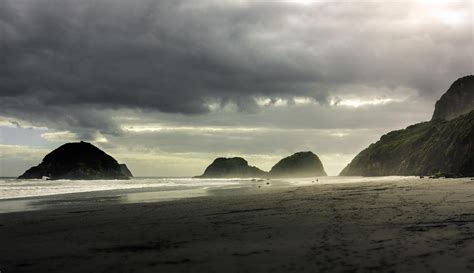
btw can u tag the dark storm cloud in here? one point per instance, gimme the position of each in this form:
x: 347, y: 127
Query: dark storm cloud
x: 64, y: 61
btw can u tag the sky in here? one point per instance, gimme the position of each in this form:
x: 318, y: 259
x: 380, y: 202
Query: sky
x: 167, y: 86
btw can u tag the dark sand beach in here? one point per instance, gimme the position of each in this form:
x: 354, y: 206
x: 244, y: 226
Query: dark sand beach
x: 417, y: 225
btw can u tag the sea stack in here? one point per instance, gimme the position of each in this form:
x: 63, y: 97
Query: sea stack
x: 78, y: 161
x: 443, y: 146
x: 302, y: 164
x: 235, y: 167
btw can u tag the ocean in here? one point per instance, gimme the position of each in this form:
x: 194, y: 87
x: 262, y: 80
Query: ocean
x: 11, y: 188
x: 25, y: 195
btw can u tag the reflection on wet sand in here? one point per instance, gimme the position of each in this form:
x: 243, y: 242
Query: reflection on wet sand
x: 141, y: 195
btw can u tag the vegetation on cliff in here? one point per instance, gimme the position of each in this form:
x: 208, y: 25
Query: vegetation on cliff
x: 438, y: 147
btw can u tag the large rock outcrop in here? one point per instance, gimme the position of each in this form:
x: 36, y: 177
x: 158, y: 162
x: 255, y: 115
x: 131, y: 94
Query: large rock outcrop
x: 302, y: 164
x: 435, y: 147
x: 235, y: 167
x: 458, y: 100
x: 442, y: 146
x: 79, y: 160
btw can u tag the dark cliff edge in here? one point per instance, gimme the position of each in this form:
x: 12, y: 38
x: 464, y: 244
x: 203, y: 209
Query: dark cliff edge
x: 301, y: 164
x: 78, y: 161
x: 458, y: 100
x: 443, y: 146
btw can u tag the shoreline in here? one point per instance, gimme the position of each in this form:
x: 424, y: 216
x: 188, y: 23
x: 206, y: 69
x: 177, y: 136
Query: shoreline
x: 400, y: 226
x: 244, y: 182
x: 169, y: 193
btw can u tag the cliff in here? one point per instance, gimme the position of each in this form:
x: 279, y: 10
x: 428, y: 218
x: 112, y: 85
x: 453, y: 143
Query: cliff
x: 442, y: 146
x: 458, y: 100
x: 427, y: 148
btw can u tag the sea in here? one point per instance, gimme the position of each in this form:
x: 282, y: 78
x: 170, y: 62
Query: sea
x: 18, y: 195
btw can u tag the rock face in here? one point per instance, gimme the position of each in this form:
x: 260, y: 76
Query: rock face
x: 80, y: 160
x: 231, y: 168
x: 437, y: 147
x: 302, y: 164
x: 458, y: 100
x: 125, y: 171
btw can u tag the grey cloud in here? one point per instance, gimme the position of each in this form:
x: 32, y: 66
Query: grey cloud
x: 65, y: 61
x: 265, y: 142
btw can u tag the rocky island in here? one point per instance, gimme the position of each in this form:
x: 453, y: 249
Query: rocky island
x: 78, y: 160
x: 231, y: 167
x: 443, y: 146
x: 302, y: 164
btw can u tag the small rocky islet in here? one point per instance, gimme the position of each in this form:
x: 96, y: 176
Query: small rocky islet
x: 231, y: 167
x: 78, y: 161
x: 301, y: 164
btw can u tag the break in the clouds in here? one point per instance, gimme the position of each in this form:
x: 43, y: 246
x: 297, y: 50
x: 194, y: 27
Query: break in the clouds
x: 251, y: 76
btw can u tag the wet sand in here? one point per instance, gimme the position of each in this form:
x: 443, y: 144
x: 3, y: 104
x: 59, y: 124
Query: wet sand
x: 417, y: 225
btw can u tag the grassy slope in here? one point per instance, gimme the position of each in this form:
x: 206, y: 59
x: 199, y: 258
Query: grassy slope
x: 421, y: 149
